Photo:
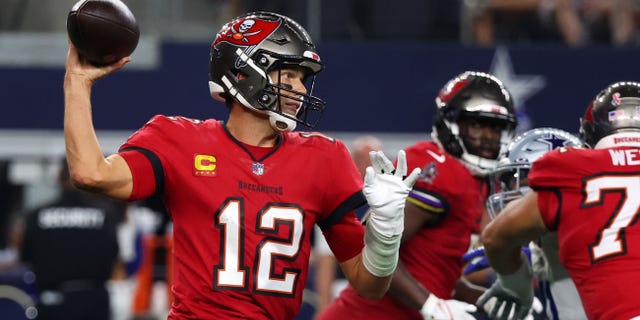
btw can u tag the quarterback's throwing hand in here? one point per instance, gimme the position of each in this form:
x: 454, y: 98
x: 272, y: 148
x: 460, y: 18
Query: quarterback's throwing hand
x: 386, y: 189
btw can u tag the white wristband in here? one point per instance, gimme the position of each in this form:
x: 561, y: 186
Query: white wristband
x: 380, y: 253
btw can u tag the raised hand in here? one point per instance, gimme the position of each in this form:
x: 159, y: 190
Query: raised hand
x: 386, y: 189
x: 78, y: 67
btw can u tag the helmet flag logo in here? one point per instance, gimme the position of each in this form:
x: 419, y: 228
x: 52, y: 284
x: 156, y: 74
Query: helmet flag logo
x: 248, y: 32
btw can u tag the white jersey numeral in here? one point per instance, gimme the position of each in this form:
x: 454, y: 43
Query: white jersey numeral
x: 610, y: 240
x: 233, y: 273
x: 287, y: 249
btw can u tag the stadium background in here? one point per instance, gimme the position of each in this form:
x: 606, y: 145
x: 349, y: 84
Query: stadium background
x: 381, y: 76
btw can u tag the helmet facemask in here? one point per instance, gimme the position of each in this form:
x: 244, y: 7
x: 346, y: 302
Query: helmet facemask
x: 509, y: 180
x: 310, y: 108
x: 512, y: 183
x: 466, y: 107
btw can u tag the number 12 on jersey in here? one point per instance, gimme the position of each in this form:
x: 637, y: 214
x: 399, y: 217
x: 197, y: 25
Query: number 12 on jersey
x: 233, y: 272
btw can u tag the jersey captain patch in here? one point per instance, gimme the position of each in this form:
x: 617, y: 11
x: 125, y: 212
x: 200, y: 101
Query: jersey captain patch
x: 204, y: 165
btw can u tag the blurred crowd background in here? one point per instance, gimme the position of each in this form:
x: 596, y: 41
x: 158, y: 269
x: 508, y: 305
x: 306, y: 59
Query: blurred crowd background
x: 472, y: 22
x: 552, y: 54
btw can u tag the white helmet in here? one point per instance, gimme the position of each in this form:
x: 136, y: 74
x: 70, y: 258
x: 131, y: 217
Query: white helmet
x: 509, y: 178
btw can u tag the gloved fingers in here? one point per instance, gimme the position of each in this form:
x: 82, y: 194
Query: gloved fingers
x: 484, y: 299
x: 470, y: 308
x: 373, y: 156
x: 380, y: 162
x: 490, y: 304
x: 467, y: 307
x: 494, y: 310
x: 413, y: 177
x: 506, y: 312
x: 401, y: 166
x: 369, y: 176
x: 521, y: 312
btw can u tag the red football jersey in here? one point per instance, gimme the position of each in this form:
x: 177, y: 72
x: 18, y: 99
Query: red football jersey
x: 242, y: 215
x: 591, y: 198
x: 434, y: 254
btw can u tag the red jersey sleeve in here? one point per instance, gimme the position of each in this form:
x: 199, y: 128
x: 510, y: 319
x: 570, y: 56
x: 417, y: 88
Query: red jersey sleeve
x: 346, y: 237
x: 340, y: 187
x: 148, y: 148
x: 552, y: 171
x: 556, y: 169
x: 344, y: 192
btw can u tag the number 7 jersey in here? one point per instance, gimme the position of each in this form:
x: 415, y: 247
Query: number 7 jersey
x: 591, y: 197
x: 242, y: 215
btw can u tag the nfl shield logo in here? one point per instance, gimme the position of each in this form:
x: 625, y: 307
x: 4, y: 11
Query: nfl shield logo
x: 257, y: 169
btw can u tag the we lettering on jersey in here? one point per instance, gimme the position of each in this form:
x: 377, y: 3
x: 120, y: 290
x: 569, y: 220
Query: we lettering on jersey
x: 625, y: 157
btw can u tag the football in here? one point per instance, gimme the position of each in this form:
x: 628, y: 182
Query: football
x: 103, y: 31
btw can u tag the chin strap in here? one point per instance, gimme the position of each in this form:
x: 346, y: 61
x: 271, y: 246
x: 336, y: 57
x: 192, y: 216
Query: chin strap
x: 278, y: 122
x: 281, y: 123
x: 478, y: 166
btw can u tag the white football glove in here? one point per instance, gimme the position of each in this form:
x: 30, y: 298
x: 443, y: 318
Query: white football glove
x: 386, y: 189
x: 438, y: 309
x: 513, y: 291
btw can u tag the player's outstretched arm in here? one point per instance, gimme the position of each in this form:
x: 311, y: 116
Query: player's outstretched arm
x: 386, y: 189
x: 88, y: 168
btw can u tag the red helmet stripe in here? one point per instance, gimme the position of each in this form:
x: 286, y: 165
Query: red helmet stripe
x: 451, y: 89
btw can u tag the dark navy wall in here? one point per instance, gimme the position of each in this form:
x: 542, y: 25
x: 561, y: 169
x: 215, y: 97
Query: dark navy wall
x: 380, y: 87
